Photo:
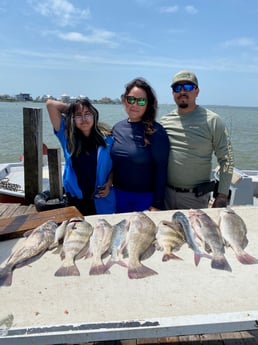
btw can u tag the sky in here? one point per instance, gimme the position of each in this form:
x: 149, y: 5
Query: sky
x: 94, y: 47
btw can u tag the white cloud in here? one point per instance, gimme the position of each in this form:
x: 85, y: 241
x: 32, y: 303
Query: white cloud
x: 97, y: 36
x: 191, y: 9
x: 174, y: 9
x: 62, y: 11
x: 240, y: 42
x: 169, y: 9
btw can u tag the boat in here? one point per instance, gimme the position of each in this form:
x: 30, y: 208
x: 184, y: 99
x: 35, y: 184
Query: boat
x: 12, y: 182
x: 12, y: 187
x: 243, y: 189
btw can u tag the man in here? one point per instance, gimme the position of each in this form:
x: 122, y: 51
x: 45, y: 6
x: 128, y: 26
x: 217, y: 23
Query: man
x: 195, y: 133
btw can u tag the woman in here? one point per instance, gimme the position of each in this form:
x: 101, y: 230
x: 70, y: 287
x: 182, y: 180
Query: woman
x: 86, y: 146
x: 140, y: 152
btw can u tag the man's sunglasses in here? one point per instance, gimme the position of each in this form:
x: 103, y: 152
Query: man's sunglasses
x: 140, y: 101
x: 185, y: 87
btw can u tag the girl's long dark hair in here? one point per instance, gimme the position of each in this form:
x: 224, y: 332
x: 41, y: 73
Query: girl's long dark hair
x: 75, y: 138
x: 152, y: 104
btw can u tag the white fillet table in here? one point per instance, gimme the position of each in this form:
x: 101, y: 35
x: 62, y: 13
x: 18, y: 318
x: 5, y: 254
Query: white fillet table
x: 181, y: 299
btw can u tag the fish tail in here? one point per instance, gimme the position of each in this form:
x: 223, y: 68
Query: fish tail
x: 140, y: 272
x: 6, y: 276
x: 98, y: 269
x: 246, y: 259
x: 64, y: 271
x: 220, y: 263
x: 170, y: 256
x: 198, y: 256
x: 111, y: 262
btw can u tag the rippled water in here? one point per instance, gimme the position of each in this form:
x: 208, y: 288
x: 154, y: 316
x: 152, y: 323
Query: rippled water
x: 242, y: 123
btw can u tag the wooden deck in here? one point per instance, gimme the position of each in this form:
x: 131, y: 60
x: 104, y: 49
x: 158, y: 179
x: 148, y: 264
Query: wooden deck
x: 15, y: 209
x: 236, y: 338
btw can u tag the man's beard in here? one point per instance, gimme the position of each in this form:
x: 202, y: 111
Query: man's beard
x: 183, y: 105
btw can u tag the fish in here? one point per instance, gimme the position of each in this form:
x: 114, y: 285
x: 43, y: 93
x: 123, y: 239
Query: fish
x: 169, y: 238
x: 180, y: 219
x: 75, y: 246
x: 118, y: 244
x: 99, y: 244
x: 234, y: 232
x: 209, y: 233
x: 59, y: 234
x: 140, y: 244
x: 35, y: 245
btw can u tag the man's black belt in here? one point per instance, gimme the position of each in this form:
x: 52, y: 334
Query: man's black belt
x: 199, y: 190
x: 182, y: 190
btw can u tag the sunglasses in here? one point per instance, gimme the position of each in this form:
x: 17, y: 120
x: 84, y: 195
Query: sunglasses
x: 139, y: 101
x: 185, y: 87
x: 80, y: 118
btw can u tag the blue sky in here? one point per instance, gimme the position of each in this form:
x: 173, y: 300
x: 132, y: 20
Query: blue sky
x: 94, y: 47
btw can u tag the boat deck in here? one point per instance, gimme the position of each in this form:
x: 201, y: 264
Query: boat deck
x: 226, y: 338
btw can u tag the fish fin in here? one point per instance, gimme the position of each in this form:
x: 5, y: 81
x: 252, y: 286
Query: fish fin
x: 53, y: 245
x: 62, y: 254
x: 83, y: 253
x: 198, y: 256
x: 169, y: 256
x: 98, y: 269
x: 148, y: 253
x: 125, y: 252
x: 140, y: 272
x: 89, y: 254
x: 122, y: 263
x: 111, y: 262
x: 105, y: 254
x: 57, y: 250
x: 220, y: 263
x: 246, y: 259
x: 64, y: 271
x: 158, y: 246
x: 6, y: 276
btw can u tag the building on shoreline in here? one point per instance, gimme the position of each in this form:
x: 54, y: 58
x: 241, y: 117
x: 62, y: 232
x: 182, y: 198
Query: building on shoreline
x: 24, y: 97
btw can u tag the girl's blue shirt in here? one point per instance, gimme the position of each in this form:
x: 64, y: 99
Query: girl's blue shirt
x: 104, y: 166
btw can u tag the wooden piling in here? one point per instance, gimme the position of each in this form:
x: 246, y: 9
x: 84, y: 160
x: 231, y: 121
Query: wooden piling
x: 32, y: 139
x: 55, y: 173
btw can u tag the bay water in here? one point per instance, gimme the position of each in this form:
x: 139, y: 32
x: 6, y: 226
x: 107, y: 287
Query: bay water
x: 242, y: 123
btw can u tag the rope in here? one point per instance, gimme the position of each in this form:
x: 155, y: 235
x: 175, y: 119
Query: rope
x: 5, y: 184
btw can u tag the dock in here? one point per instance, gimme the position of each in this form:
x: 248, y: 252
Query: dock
x: 183, y: 304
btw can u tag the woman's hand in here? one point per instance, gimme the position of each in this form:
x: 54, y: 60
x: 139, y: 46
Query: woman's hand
x: 103, y: 191
x: 151, y: 208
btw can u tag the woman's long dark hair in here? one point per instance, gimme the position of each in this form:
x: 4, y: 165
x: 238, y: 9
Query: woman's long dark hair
x: 150, y: 114
x: 75, y: 137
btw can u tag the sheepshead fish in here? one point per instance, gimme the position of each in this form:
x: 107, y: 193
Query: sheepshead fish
x: 170, y: 237
x: 118, y: 244
x: 140, y: 244
x: 180, y: 219
x: 99, y: 245
x: 234, y: 232
x: 75, y: 245
x: 35, y: 245
x: 208, y: 232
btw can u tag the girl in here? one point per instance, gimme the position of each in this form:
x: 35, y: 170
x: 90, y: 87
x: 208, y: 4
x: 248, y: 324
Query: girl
x: 86, y: 146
